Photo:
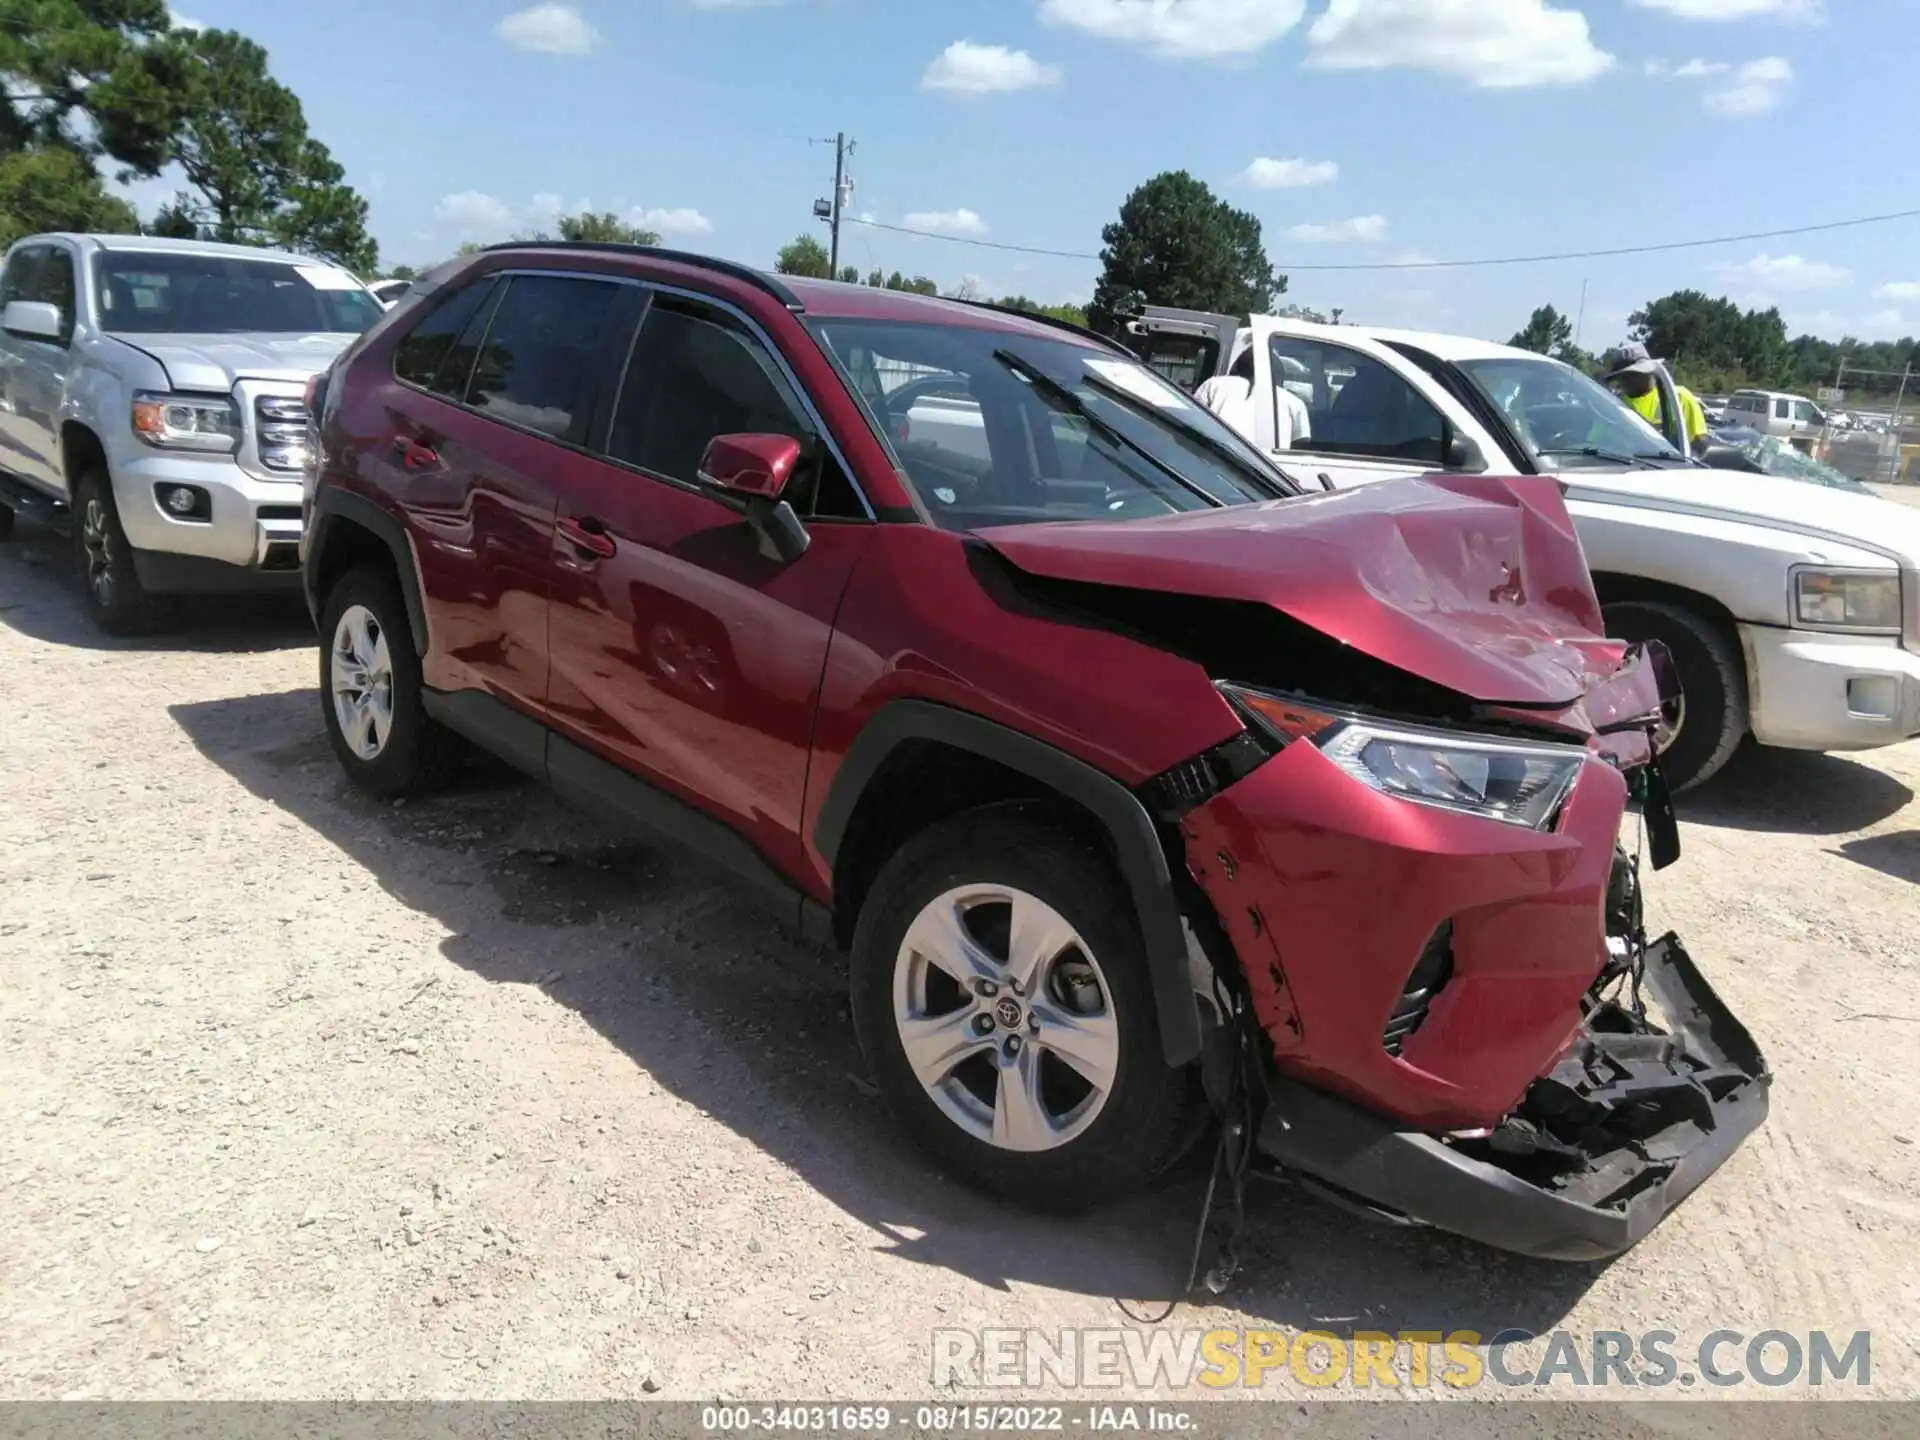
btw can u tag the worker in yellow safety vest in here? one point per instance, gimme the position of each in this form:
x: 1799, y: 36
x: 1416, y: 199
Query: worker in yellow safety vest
x: 1630, y: 371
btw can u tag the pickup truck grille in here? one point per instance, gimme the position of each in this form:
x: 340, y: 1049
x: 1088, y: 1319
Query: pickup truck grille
x: 280, y: 423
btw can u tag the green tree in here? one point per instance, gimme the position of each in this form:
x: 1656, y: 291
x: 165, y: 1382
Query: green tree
x: 850, y: 274
x: 805, y: 256
x: 603, y: 228
x: 54, y: 188
x: 257, y: 175
x: 85, y: 80
x: 1547, y: 332
x: 1175, y: 243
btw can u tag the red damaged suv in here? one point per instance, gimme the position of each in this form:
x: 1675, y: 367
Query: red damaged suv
x: 1139, y: 787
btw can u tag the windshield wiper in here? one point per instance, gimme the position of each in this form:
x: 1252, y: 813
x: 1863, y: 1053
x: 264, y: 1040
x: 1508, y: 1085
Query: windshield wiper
x: 1074, y: 405
x: 1199, y: 437
x: 1600, y: 452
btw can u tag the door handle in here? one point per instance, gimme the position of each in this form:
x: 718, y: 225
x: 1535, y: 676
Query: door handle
x: 586, y: 533
x: 413, y: 454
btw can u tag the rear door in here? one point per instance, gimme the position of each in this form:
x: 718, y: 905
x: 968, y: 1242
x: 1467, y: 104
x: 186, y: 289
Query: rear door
x: 681, y: 652
x: 495, y: 395
x: 23, y: 425
x: 1187, y: 347
x: 40, y: 373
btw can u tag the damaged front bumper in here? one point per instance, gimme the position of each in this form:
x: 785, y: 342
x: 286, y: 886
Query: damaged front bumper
x: 1626, y: 1125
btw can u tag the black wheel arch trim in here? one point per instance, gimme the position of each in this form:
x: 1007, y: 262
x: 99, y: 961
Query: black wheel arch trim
x: 1136, y: 842
x: 333, y: 505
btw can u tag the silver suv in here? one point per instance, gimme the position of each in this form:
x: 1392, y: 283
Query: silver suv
x: 152, y: 395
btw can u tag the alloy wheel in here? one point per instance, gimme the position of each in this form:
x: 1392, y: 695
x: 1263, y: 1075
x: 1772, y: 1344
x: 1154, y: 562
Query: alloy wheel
x: 1005, y: 1017
x: 93, y: 539
x: 360, y: 669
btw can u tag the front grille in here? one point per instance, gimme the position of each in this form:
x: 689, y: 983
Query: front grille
x: 1432, y: 971
x: 278, y: 512
x: 280, y: 424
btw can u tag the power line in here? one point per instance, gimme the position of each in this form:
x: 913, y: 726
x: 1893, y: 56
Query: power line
x: 1612, y: 252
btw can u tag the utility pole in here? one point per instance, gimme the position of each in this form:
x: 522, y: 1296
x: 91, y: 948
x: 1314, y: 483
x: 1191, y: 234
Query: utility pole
x: 831, y: 210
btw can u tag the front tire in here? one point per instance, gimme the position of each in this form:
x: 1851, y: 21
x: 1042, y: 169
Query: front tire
x: 371, y: 691
x: 1001, y: 996
x: 115, y: 598
x: 1710, y: 719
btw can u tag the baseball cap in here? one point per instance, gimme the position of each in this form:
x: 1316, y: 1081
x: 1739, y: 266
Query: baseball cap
x: 1629, y: 357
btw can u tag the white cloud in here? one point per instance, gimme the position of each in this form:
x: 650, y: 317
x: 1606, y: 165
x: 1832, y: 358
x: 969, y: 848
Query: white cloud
x: 1886, y: 322
x: 1751, y: 89
x: 1292, y: 174
x: 1898, y: 290
x: 1767, y: 273
x: 681, y: 220
x: 1492, y: 44
x: 1180, y: 29
x: 1364, y: 229
x: 736, y: 4
x: 549, y: 29
x: 945, y: 222
x: 1736, y: 9
x: 184, y: 22
x: 474, y: 212
x: 1690, y: 70
x: 965, y: 68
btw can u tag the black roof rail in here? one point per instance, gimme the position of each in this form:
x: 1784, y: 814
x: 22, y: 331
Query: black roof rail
x: 1106, y: 341
x: 759, y: 279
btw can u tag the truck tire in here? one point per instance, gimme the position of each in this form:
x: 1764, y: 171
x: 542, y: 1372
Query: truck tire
x: 371, y: 691
x: 1712, y: 713
x: 1041, y: 1080
x: 115, y: 598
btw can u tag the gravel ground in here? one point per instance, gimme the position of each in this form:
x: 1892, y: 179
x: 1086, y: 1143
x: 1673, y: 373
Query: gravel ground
x: 312, y: 1097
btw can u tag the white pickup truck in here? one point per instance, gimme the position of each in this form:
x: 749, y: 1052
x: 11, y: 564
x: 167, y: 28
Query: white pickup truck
x: 1792, y: 610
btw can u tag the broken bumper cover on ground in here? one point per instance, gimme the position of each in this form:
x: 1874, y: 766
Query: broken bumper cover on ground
x: 1624, y: 1127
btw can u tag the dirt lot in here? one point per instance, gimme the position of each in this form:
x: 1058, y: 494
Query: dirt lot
x: 307, y: 1096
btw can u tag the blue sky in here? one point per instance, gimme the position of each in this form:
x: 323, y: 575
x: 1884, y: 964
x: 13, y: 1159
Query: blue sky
x: 1357, y: 130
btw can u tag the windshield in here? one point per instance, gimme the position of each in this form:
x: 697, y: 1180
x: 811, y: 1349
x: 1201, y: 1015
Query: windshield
x: 1566, y: 419
x: 1777, y: 457
x: 167, y: 293
x: 994, y: 427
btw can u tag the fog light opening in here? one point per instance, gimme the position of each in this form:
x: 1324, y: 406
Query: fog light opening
x: 184, y: 502
x: 1430, y: 973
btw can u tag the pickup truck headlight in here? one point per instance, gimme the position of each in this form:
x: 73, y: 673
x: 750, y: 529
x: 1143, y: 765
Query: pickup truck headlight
x: 186, y: 422
x: 1517, y: 782
x: 1847, y: 600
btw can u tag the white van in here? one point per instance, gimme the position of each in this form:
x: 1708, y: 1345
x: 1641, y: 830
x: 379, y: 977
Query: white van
x: 1772, y: 412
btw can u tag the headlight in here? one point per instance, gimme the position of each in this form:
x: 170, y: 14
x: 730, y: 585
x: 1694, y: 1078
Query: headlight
x: 180, y: 422
x: 1847, y: 599
x: 1518, y: 782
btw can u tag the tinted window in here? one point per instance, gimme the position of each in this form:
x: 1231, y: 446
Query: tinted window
x: 541, y: 360
x: 695, y: 374
x: 418, y: 356
x: 1357, y: 406
x: 22, y: 275
x: 1780, y: 409
x: 160, y: 292
x: 55, y: 286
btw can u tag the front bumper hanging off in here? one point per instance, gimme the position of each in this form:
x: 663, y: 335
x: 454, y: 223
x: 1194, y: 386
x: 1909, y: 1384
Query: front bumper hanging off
x: 1601, y: 1148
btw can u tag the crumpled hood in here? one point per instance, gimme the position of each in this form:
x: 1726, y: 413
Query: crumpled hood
x: 212, y: 363
x: 1881, y: 525
x: 1474, y: 583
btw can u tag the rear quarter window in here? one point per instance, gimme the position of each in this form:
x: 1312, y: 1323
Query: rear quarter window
x: 419, y: 357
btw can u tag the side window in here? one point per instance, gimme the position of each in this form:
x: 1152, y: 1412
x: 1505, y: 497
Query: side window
x: 1780, y: 409
x: 55, y: 286
x: 695, y: 374
x: 1357, y: 406
x: 22, y: 276
x: 418, y: 357
x: 540, y: 363
x: 1803, y: 410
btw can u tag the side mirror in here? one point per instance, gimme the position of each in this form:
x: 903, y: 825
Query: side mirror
x: 751, y: 472
x: 1462, y: 452
x: 754, y: 467
x: 33, y: 320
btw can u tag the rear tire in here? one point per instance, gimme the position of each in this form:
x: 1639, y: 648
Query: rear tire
x: 371, y: 692
x: 1713, y: 710
x: 115, y: 598
x: 1013, y: 1115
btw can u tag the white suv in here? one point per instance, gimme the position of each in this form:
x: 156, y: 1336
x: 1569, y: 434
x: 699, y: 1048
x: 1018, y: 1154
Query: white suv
x: 1791, y: 609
